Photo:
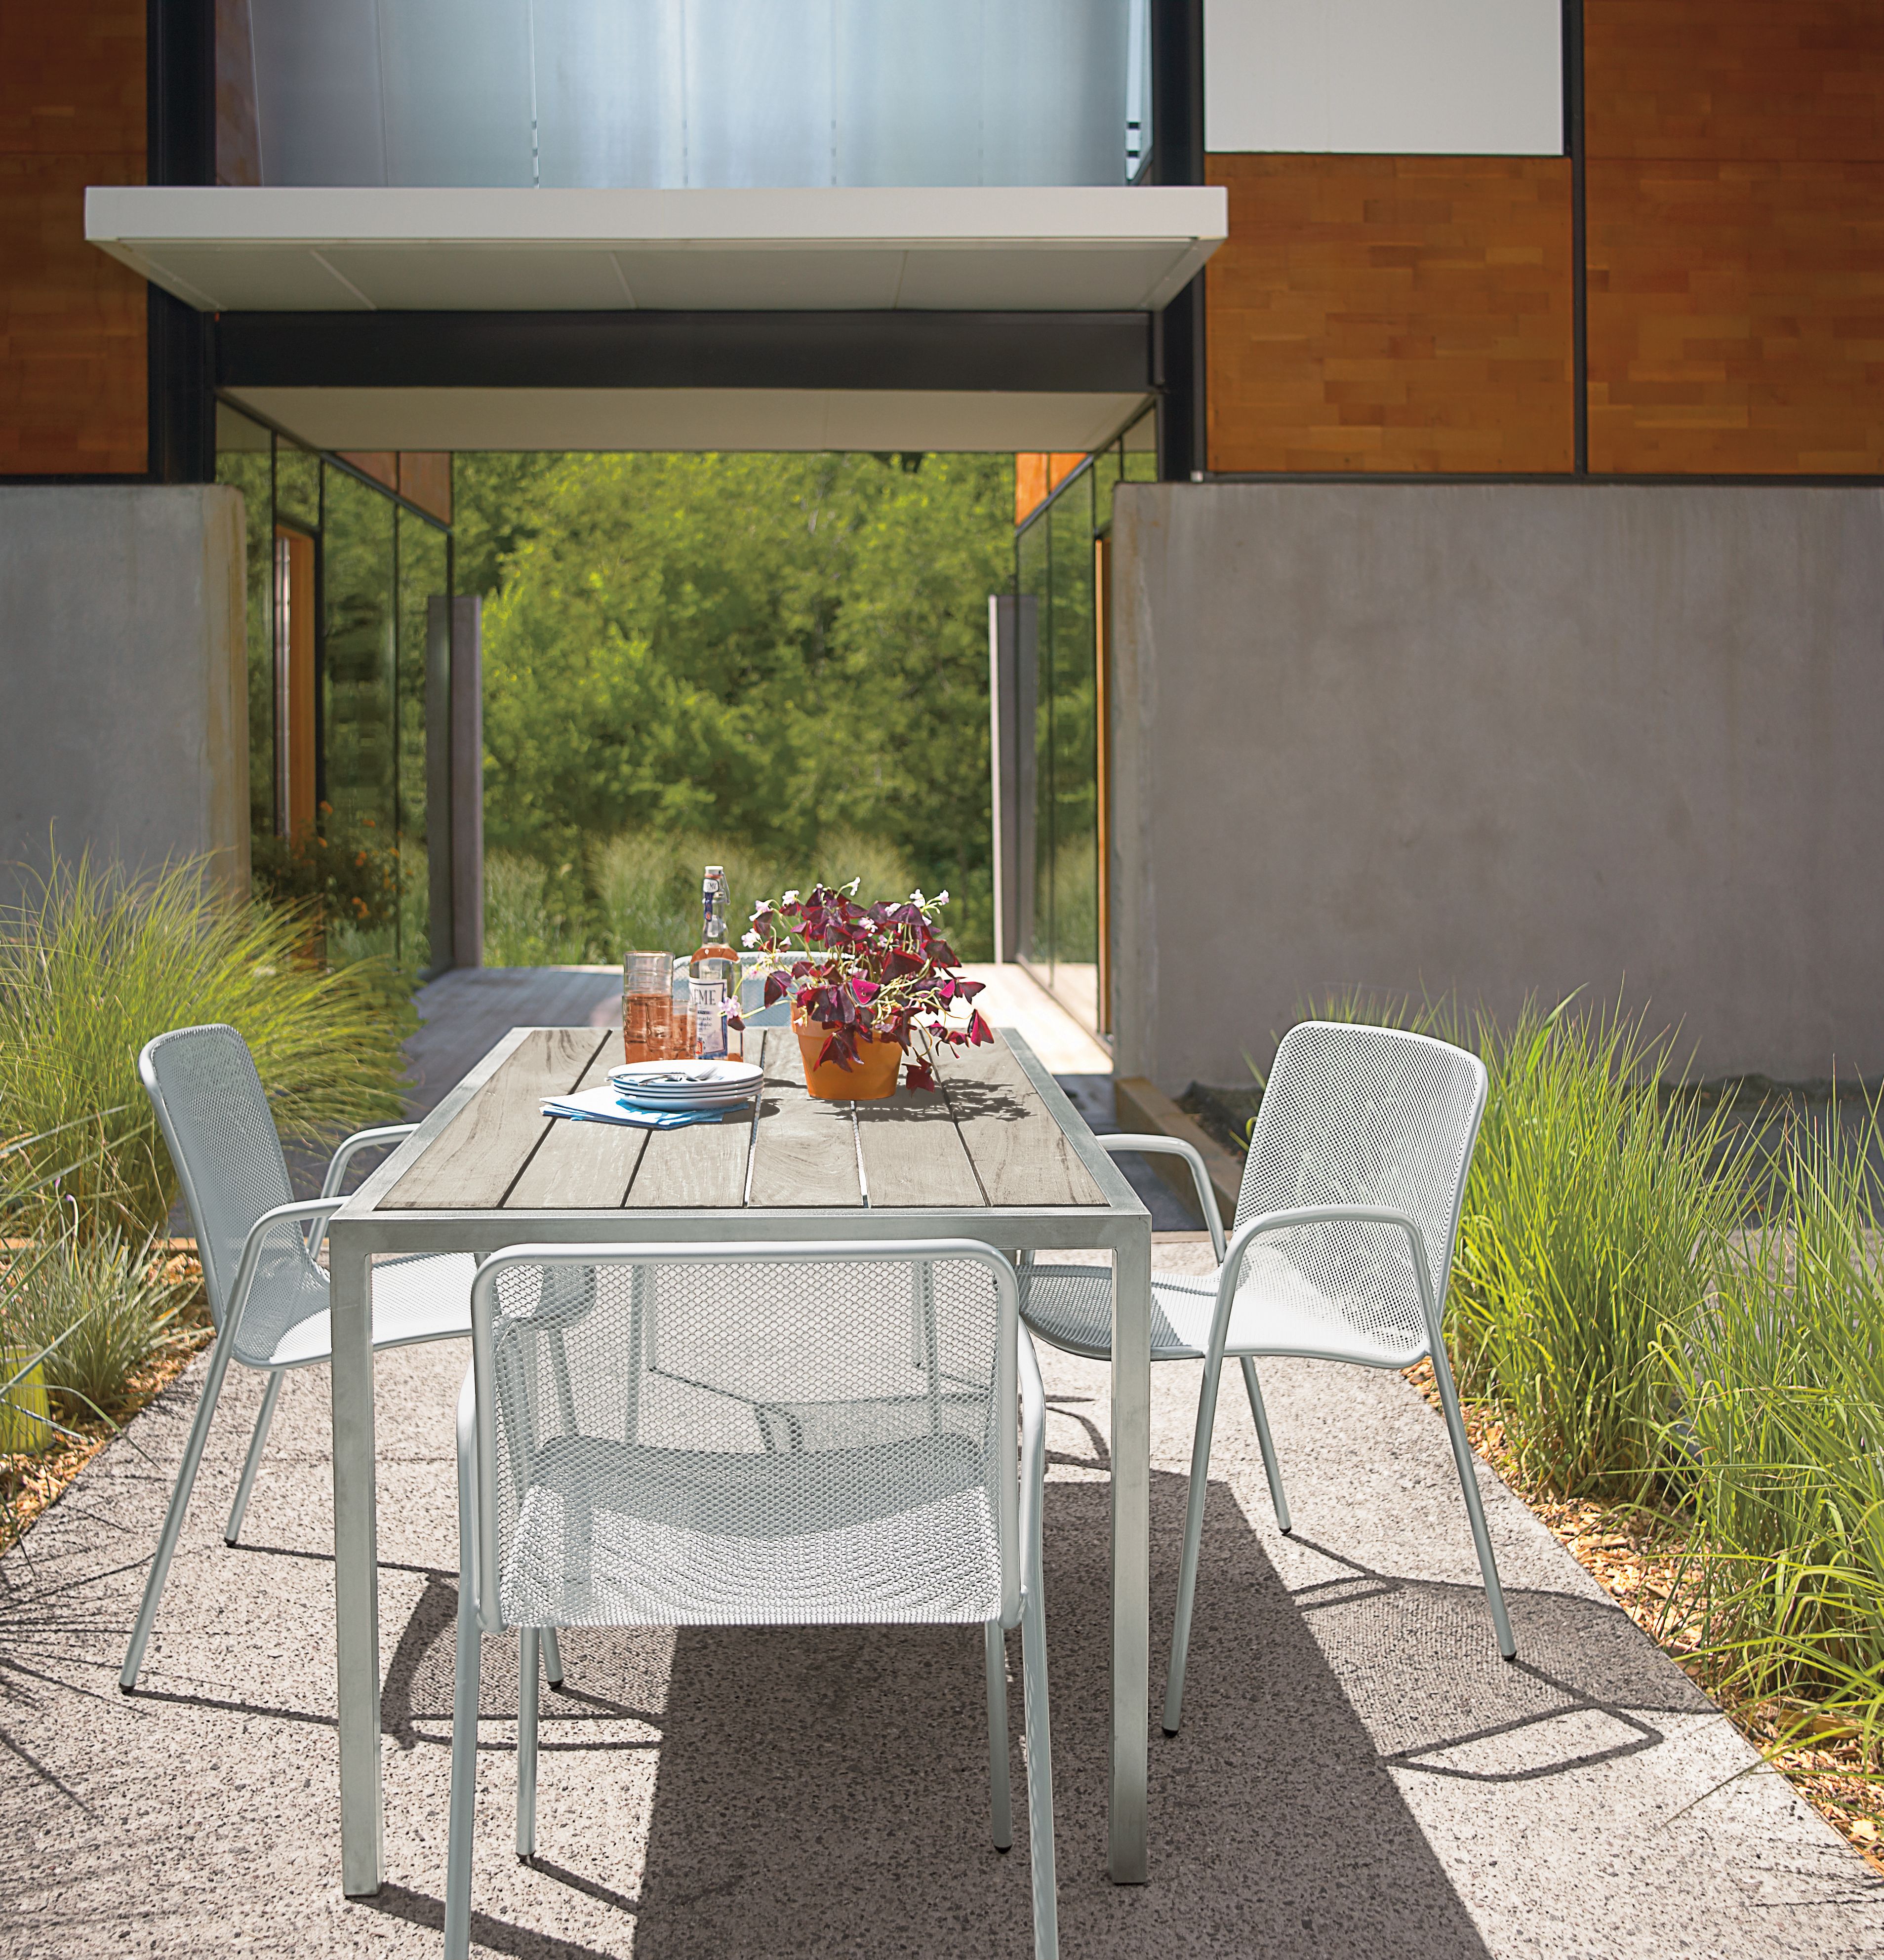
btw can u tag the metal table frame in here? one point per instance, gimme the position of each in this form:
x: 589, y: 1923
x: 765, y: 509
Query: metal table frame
x: 358, y: 1232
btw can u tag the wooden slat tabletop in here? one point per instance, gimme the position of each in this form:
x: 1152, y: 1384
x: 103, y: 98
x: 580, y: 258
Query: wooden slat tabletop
x: 987, y: 1138
x: 1020, y: 1154
x: 471, y: 1166
x: 912, y: 1154
x: 804, y: 1151
x: 582, y: 1166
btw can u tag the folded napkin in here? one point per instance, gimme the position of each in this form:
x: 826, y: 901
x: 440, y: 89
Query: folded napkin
x: 604, y: 1106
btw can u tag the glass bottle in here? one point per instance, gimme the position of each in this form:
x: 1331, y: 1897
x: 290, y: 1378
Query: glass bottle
x: 713, y: 973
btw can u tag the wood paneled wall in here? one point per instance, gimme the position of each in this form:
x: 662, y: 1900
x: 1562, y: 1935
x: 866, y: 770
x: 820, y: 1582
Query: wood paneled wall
x: 1735, y: 202
x: 1037, y: 476
x: 421, y: 476
x: 73, y: 376
x: 1391, y: 313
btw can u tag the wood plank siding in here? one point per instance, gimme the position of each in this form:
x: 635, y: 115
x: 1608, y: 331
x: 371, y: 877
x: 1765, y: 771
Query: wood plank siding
x: 1391, y: 313
x: 1736, y: 202
x: 73, y: 363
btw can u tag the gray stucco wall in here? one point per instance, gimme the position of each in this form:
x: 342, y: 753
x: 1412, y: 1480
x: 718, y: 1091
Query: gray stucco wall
x: 1508, y: 739
x: 123, y: 691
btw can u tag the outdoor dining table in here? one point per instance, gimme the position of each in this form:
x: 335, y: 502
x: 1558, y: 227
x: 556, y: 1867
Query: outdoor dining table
x: 996, y: 1152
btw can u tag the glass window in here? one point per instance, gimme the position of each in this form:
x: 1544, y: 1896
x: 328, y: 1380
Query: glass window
x: 296, y: 486
x: 359, y: 720
x: 423, y: 577
x: 245, y: 461
x: 1068, y: 744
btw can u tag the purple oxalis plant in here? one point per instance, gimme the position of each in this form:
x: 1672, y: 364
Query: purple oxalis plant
x: 876, y: 973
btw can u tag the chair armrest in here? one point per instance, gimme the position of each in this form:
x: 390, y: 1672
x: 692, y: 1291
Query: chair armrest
x: 1318, y: 1214
x: 360, y: 1140
x: 320, y: 1208
x: 1175, y: 1147
x: 470, y: 1558
x: 1033, y: 1460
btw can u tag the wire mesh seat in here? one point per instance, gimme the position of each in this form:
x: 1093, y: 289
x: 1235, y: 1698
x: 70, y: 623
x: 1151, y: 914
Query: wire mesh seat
x: 268, y: 1295
x: 1341, y: 1251
x: 759, y: 1436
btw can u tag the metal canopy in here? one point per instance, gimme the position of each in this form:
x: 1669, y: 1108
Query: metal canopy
x: 1079, y: 249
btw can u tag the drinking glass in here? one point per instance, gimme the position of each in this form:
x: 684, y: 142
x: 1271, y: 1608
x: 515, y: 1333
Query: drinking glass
x: 647, y: 1008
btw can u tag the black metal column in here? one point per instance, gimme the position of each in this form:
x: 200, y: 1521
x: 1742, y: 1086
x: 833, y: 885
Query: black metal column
x: 1177, y: 157
x: 180, y: 148
x: 1579, y: 231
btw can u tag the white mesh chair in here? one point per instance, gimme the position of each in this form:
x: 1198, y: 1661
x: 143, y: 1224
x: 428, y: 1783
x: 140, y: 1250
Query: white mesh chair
x: 268, y: 1298
x: 713, y: 1436
x: 1342, y: 1250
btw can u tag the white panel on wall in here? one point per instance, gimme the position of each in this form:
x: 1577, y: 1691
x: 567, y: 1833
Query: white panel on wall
x: 1441, y: 78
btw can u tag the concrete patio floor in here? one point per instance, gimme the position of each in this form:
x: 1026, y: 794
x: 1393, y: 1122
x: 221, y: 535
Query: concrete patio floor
x: 1358, y: 1771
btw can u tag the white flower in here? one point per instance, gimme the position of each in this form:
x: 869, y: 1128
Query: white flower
x: 942, y: 897
x: 917, y: 898
x: 790, y: 898
x: 751, y: 939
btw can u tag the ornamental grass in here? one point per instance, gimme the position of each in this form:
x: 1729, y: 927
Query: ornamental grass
x: 1655, y: 1314
x: 93, y: 963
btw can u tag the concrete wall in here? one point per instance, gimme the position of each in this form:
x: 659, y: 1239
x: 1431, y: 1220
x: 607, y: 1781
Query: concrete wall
x: 1503, y: 738
x: 124, y: 720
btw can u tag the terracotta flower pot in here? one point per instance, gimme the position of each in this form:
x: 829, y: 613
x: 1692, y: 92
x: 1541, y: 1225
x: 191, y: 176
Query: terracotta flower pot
x: 874, y: 1077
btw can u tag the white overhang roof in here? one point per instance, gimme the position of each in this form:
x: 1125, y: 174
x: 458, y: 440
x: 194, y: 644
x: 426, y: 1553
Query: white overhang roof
x: 1077, y: 249
x: 675, y: 418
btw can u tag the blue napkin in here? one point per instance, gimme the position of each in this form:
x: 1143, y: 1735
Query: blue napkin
x: 603, y: 1106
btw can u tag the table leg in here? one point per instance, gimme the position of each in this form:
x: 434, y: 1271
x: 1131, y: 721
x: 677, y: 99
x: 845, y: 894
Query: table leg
x: 1132, y: 1551
x: 356, y: 1565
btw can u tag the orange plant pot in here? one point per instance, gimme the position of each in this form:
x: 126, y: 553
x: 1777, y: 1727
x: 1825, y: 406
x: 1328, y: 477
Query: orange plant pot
x: 874, y: 1077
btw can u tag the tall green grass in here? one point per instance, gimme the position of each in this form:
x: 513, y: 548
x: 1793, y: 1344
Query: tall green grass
x: 648, y: 882
x: 1780, y: 1428
x: 1590, y: 1194
x: 524, y: 925
x: 92, y: 1313
x: 1660, y: 1316
x: 93, y: 964
x: 1588, y: 1199
x: 643, y: 893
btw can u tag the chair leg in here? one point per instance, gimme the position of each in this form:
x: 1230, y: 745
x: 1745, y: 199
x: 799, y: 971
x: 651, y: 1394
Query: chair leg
x: 1474, y: 1509
x: 173, y: 1517
x: 1193, y: 1538
x: 258, y: 1443
x: 1000, y: 1801
x: 1271, y: 1469
x: 1033, y: 1670
x: 529, y: 1647
x: 464, y: 1773
x: 552, y: 1658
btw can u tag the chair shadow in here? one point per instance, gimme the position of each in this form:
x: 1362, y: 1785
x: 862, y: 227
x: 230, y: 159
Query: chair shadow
x: 1584, y: 1677
x: 825, y: 1790
x: 497, y: 1935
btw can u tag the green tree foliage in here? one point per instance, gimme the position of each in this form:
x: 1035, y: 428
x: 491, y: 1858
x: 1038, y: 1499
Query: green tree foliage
x: 759, y: 647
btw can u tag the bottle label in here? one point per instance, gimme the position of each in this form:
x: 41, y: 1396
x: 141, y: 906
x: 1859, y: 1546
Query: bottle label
x: 706, y: 1002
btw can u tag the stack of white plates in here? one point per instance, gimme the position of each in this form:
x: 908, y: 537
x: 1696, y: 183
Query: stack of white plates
x: 686, y: 1085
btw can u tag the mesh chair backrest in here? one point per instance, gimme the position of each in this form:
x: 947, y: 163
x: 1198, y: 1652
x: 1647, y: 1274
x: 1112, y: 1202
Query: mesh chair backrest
x: 649, y: 1406
x: 214, y: 1115
x: 1353, y: 1115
